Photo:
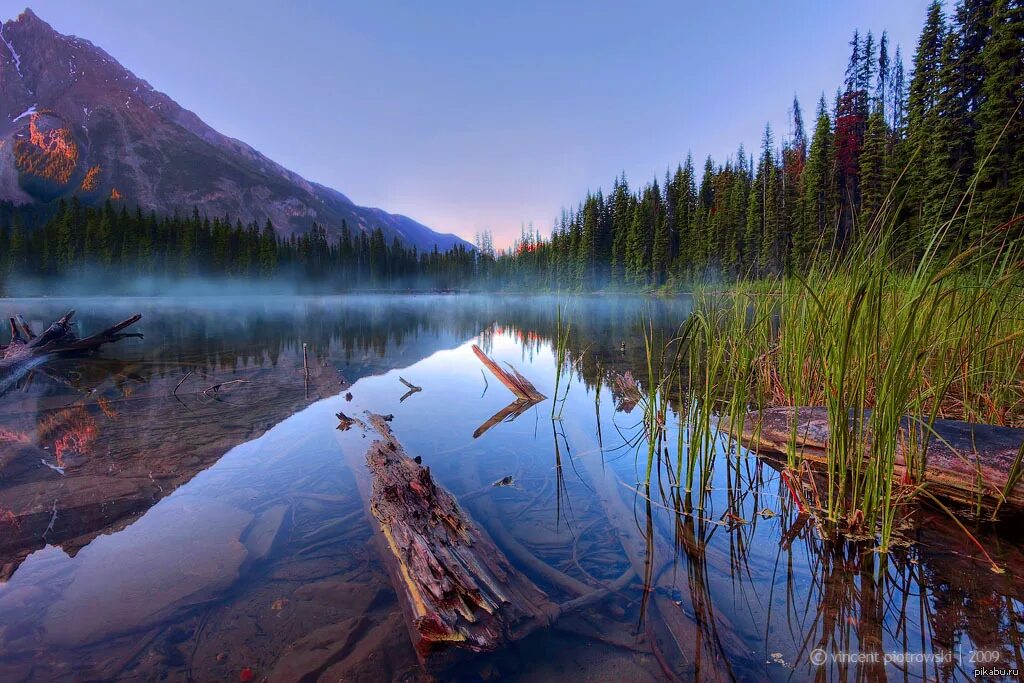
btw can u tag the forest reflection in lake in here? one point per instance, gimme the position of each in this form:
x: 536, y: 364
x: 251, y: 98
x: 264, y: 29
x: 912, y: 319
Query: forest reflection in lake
x: 180, y: 508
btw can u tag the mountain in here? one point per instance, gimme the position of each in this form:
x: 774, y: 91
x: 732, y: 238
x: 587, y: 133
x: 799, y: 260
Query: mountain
x: 73, y: 121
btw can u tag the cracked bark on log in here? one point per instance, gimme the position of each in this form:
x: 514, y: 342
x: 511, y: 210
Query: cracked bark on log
x: 459, y: 592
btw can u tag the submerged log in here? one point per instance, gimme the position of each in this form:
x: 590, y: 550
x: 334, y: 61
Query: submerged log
x: 28, y: 350
x: 459, y: 592
x: 964, y: 462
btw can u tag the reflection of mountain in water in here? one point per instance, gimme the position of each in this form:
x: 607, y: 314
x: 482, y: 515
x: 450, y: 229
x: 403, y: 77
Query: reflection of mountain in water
x: 264, y: 559
x: 89, y: 444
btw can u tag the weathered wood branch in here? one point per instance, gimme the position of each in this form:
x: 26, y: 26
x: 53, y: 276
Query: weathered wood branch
x: 27, y: 349
x: 516, y: 383
x: 413, y: 389
x: 964, y: 462
x: 460, y: 593
x: 409, y: 385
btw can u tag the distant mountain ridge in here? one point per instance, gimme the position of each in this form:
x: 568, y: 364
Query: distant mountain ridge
x: 73, y: 121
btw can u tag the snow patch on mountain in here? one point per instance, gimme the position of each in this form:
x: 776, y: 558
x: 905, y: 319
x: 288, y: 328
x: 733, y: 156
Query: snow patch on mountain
x: 28, y: 112
x: 14, y: 53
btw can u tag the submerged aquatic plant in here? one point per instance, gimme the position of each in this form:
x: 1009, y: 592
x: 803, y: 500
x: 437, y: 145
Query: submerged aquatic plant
x: 562, y: 330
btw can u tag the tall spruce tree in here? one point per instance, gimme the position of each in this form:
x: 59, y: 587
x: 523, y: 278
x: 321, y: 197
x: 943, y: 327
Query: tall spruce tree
x: 816, y: 227
x: 1000, y: 140
x: 921, y: 123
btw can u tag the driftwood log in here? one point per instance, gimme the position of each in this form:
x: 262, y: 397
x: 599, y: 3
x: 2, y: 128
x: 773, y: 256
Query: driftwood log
x: 28, y: 349
x: 459, y: 592
x: 516, y: 383
x: 964, y: 462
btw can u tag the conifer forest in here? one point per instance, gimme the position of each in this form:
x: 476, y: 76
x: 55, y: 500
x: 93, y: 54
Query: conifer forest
x: 911, y: 145
x: 749, y: 408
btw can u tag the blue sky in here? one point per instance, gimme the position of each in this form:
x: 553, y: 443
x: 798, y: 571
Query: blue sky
x: 476, y: 115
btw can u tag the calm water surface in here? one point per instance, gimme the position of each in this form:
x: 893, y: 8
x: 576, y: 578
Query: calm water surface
x: 182, y: 508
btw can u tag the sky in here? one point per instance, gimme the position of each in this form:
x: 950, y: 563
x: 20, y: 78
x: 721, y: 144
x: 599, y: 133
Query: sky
x: 477, y: 115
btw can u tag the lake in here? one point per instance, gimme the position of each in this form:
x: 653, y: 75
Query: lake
x: 184, y: 507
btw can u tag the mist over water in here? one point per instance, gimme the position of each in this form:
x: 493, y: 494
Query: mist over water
x: 181, y: 450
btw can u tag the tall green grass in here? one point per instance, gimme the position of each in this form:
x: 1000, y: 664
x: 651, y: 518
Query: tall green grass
x: 886, y: 348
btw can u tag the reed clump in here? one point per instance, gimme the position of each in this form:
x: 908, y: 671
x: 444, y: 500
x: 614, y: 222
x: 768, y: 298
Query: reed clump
x: 870, y: 338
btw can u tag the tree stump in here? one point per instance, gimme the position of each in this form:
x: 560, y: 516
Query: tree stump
x: 28, y: 350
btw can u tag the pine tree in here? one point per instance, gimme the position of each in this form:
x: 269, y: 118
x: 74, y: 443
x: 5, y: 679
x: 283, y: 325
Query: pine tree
x: 794, y: 159
x: 882, y: 82
x: 17, y: 252
x: 688, y: 249
x: 622, y: 218
x: 867, y: 69
x: 944, y: 180
x: 590, y: 246
x: 1000, y: 140
x: 268, y: 250
x: 817, y: 202
x: 661, y: 256
x: 853, y: 66
x: 974, y: 26
x: 873, y: 168
x: 896, y: 105
x: 921, y: 123
x: 636, y: 261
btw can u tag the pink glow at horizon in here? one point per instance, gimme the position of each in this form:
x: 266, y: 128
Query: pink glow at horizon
x: 470, y: 116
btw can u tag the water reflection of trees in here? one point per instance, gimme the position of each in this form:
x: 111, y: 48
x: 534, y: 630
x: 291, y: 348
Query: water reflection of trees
x: 723, y: 569
x: 836, y: 595
x: 930, y: 596
x: 222, y: 335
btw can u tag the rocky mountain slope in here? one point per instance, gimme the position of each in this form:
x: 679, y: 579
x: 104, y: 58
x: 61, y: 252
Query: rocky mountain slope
x: 73, y: 121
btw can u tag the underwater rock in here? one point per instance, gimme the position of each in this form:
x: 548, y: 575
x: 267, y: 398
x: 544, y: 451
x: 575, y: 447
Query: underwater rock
x: 182, y: 553
x: 307, y: 657
x: 265, y: 532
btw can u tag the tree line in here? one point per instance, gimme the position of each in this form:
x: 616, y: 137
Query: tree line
x: 110, y: 242
x: 937, y: 154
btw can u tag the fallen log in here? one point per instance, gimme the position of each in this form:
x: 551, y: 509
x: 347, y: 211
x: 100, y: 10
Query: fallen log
x: 27, y: 350
x: 459, y: 592
x: 964, y: 462
x: 516, y: 383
